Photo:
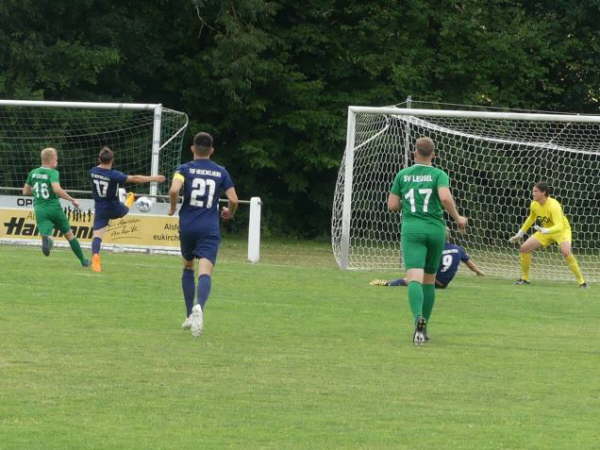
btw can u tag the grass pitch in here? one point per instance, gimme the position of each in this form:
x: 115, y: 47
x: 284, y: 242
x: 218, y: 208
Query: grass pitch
x: 296, y: 354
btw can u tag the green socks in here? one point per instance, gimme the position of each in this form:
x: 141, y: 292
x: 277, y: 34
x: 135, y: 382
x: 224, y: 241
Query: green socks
x: 428, y: 300
x: 74, y: 243
x: 415, y: 298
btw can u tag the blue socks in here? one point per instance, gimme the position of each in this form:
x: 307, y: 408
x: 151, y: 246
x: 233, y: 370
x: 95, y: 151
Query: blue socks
x: 96, y: 243
x: 189, y: 287
x: 203, y: 289
x: 398, y: 282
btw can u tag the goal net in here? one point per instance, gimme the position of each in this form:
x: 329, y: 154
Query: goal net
x: 146, y: 139
x: 493, y: 159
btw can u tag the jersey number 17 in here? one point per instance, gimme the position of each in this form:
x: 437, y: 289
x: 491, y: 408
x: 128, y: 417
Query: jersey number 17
x: 410, y: 196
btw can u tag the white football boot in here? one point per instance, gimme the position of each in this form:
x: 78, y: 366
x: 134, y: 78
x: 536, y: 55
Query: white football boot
x: 197, y: 324
x: 187, y: 323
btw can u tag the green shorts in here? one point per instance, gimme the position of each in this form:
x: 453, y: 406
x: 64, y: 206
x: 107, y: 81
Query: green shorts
x: 49, y: 218
x: 423, y: 250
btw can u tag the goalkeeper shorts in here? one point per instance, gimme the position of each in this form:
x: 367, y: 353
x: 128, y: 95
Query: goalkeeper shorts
x: 558, y: 238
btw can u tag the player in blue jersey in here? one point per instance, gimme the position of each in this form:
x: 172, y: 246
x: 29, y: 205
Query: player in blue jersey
x: 105, y: 190
x: 452, y: 255
x: 202, y: 181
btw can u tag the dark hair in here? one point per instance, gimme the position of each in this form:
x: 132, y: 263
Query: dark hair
x: 425, y: 146
x: 203, y: 143
x: 106, y: 155
x: 543, y: 186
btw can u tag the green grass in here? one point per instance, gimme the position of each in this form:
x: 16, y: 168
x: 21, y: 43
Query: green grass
x: 296, y: 354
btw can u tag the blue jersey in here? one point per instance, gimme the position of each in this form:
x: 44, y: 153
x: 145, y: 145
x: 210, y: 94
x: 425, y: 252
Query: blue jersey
x: 105, y: 186
x: 452, y: 255
x: 203, y: 183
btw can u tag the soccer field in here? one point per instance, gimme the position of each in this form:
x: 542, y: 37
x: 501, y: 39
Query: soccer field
x: 296, y: 354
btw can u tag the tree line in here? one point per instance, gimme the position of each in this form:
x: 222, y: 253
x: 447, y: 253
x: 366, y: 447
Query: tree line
x: 272, y: 80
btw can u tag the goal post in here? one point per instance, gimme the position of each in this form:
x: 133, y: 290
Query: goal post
x: 146, y: 139
x: 493, y: 159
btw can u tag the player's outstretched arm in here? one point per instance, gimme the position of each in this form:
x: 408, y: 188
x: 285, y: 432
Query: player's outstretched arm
x: 450, y: 206
x: 140, y: 179
x: 232, y: 205
x: 176, y: 186
x: 526, y: 225
x: 471, y: 265
x: 60, y: 192
x: 26, y: 189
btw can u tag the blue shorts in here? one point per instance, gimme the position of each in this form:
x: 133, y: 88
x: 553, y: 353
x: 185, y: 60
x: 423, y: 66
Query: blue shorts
x: 199, y: 245
x: 102, y: 216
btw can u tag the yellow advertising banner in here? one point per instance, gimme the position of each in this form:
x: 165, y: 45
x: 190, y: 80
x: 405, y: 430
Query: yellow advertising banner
x: 140, y: 230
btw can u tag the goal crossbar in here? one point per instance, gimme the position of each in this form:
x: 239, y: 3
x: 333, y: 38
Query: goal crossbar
x: 83, y: 105
x: 476, y: 114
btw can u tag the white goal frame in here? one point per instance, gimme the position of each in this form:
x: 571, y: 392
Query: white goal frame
x: 255, y: 203
x: 342, y: 241
x: 157, y: 108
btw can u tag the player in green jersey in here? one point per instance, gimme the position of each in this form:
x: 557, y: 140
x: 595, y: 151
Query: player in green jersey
x: 44, y: 184
x: 422, y: 191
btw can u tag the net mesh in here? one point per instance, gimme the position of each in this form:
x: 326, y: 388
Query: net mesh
x: 493, y: 164
x: 78, y: 134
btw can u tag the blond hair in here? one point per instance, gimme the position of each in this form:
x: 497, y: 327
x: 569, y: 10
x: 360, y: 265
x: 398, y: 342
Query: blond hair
x: 48, y: 154
x: 425, y: 146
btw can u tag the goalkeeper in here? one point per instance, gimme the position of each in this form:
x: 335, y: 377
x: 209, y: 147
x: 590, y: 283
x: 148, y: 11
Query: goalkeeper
x: 452, y: 255
x: 553, y: 227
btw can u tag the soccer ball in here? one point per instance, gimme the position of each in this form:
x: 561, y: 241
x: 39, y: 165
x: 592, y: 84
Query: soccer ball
x: 143, y: 204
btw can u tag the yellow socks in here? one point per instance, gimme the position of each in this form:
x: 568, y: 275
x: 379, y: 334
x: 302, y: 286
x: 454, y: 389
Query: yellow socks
x: 572, y: 263
x: 525, y: 259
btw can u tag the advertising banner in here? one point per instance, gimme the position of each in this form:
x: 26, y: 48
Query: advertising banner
x: 133, y: 230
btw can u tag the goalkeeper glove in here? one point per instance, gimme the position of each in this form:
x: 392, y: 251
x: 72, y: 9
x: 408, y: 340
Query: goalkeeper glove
x: 541, y: 229
x: 517, y: 236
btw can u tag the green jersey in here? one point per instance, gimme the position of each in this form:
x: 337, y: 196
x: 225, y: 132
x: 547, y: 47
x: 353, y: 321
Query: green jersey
x: 41, y: 180
x: 418, y: 186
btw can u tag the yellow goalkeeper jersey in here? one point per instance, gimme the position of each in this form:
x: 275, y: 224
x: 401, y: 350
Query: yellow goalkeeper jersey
x: 549, y: 215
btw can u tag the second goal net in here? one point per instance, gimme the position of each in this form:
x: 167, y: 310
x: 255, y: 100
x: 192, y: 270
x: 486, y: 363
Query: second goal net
x: 146, y: 139
x: 493, y: 159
